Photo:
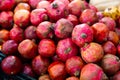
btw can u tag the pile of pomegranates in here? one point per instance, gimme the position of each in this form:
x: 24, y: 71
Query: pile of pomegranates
x: 59, y: 40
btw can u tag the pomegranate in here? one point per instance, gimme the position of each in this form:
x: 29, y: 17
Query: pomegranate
x: 77, y: 6
x: 33, y: 3
x: 46, y: 48
x: 57, y: 70
x: 16, y: 34
x: 92, y: 71
x: 21, y: 1
x: 101, y: 32
x: 74, y: 65
x: 4, y: 35
x: 66, y: 2
x: 9, y: 47
x: 113, y: 37
x: 38, y: 15
x: 73, y: 19
x: 109, y: 48
x: 57, y: 10
x: 27, y: 48
x: 93, y: 7
x: 118, y: 50
x: 66, y: 49
x: 21, y: 18
x: 43, y: 4
x: 19, y: 6
x: 6, y: 19
x: 30, y: 33
x: 88, y: 16
x: 11, y: 65
x: 117, y: 30
x: 109, y: 22
x: 100, y: 15
x: 40, y: 65
x: 63, y: 28
x: 82, y: 34
x: 55, y: 58
x: 27, y: 69
x: 44, y: 77
x: 44, y: 30
x: 110, y: 64
x: 6, y: 5
x: 72, y: 78
x: 116, y: 76
x: 92, y: 52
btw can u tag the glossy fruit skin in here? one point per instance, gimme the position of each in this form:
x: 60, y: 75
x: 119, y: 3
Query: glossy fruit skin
x: 37, y: 16
x: 100, y: 31
x: 27, y: 69
x: 57, y: 10
x: 57, y: 70
x: 19, y: 6
x: 33, y: 3
x: 109, y: 48
x: 22, y: 18
x: 9, y: 47
x: 46, y: 48
x: 80, y: 6
x: 28, y: 49
x: 66, y: 2
x: 73, y: 19
x: 6, y: 5
x: 63, y: 28
x: 21, y: 1
x: 110, y: 64
x: 11, y: 65
x: 40, y: 65
x: 92, y: 52
x: 100, y: 15
x: 43, y: 4
x: 72, y: 78
x: 109, y: 22
x: 4, y: 35
x: 113, y: 37
x: 116, y: 76
x: 92, y: 71
x: 89, y: 20
x: 93, y: 8
x: 66, y: 49
x: 16, y: 34
x: 82, y: 34
x: 44, y: 30
x: 75, y: 68
x: 6, y: 19
x: 118, y: 49
x: 117, y: 30
x: 44, y: 77
x: 30, y: 33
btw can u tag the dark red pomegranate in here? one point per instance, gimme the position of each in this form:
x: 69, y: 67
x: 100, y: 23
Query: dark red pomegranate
x: 11, y: 65
x: 10, y: 47
x: 40, y: 65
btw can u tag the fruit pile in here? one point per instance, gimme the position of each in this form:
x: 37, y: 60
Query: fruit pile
x: 59, y: 40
